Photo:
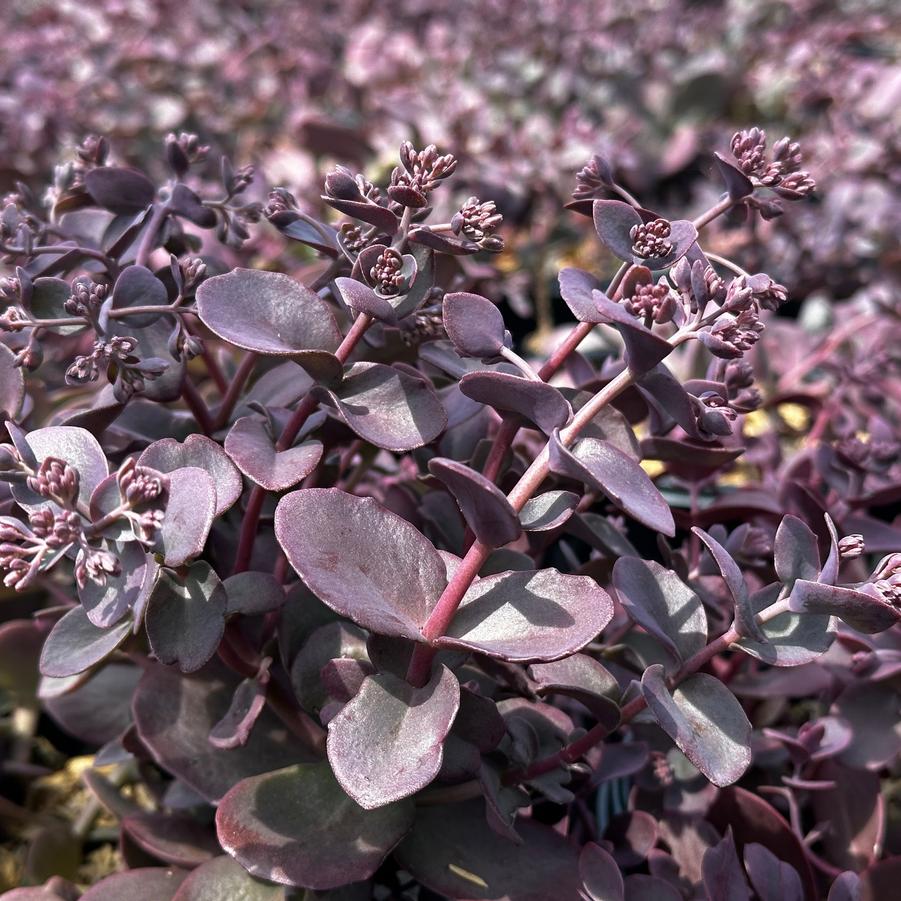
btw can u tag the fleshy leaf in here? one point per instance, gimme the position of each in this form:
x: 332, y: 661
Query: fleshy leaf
x: 531, y: 615
x: 389, y: 407
x: 47, y: 301
x: 275, y: 825
x: 174, y: 715
x: 659, y: 601
x: 12, y: 384
x: 745, y: 620
x: 141, y: 884
x: 538, y: 402
x: 583, y: 678
x: 137, y: 286
x: 613, y: 220
x: 252, y: 449
x: 185, y: 617
x: 453, y: 851
x: 644, y: 348
x: 167, y: 455
x: 724, y: 879
x: 190, y: 509
x: 267, y: 312
x: 737, y: 184
x: 365, y: 562
x: 76, y: 644
x: 795, y: 551
x: 772, y: 878
x: 184, y: 202
x: 234, y: 729
x: 175, y: 839
x: 705, y: 721
x: 383, y: 219
x: 792, y: 639
x: 576, y: 287
x: 221, y: 878
x: 474, y: 324
x: 253, y: 592
x: 485, y: 507
x: 105, y: 605
x: 867, y: 613
x: 548, y: 510
x: 386, y: 743
x: 618, y: 476
x: 119, y: 190
x: 601, y: 877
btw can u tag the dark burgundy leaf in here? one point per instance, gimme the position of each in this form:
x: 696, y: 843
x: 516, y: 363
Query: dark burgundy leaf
x: 705, y: 721
x: 601, y: 878
x: 296, y: 826
x: 474, y: 324
x: 184, y: 202
x: 120, y: 190
x: 485, y: 507
x: 796, y: 553
x: 137, y: 286
x: 538, y: 402
x: 331, y: 641
x: 724, y: 879
x: 644, y: 348
x: 613, y: 220
x: 373, y: 214
x: 233, y: 730
x: 772, y: 878
x: 737, y: 184
x: 386, y: 744
x: 606, y: 468
x: 267, y: 312
x: 583, y: 678
x: 576, y: 289
x: 442, y: 242
x: 547, y: 511
x: 364, y: 562
x: 868, y: 613
x: 174, y: 839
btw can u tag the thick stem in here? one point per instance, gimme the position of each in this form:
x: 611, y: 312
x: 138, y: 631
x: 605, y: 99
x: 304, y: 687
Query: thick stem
x: 293, y: 426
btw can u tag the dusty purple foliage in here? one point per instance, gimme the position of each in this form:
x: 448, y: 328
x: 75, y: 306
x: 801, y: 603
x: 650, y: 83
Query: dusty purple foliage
x: 350, y: 589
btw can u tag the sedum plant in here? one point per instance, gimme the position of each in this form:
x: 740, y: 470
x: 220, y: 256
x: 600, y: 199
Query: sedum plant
x: 354, y: 598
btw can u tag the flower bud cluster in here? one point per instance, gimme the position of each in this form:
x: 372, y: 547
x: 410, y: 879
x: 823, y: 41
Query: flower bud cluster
x: 478, y: 222
x: 86, y: 298
x: 781, y: 171
x: 57, y: 481
x: 419, y: 174
x: 650, y: 239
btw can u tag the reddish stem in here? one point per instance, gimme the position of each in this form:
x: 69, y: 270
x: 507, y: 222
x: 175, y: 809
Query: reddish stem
x: 235, y: 387
x: 197, y: 405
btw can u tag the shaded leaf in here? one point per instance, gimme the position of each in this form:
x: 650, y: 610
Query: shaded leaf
x: 485, y: 507
x: 275, y: 825
x: 224, y: 878
x: 576, y: 287
x: 119, y: 190
x: 644, y: 348
x: 868, y: 613
x: 538, y: 402
x: 190, y: 510
x: 175, y: 839
x: 724, y: 879
x: 252, y: 593
x: 548, y: 510
x: 583, y: 678
x: 474, y: 324
x: 795, y: 551
x: 253, y: 451
x: 705, y: 721
x: 532, y: 615
x: 737, y: 184
x: 606, y: 468
x: 137, y: 286
x: 12, y: 384
x: 386, y: 744
x: 601, y: 878
x: 76, y: 644
x: 772, y: 878
x: 106, y: 604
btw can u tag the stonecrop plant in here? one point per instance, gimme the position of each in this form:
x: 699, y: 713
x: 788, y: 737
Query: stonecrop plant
x: 350, y: 596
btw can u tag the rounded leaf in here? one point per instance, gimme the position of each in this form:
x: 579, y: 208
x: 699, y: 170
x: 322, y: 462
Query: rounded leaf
x: 548, y: 510
x: 137, y: 286
x: 538, y: 402
x: 224, y: 878
x: 474, y: 324
x: 190, y: 510
x: 363, y: 561
x: 267, y: 312
x: 106, y: 604
x: 296, y: 826
x: 119, y: 190
x: 387, y: 742
x: 76, y: 644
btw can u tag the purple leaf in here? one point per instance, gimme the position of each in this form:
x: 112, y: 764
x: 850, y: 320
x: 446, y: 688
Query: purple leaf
x: 184, y: 202
x: 443, y: 243
x: 362, y: 299
x: 453, y: 851
x: 364, y: 562
x: 722, y: 872
x: 661, y: 603
x: 174, y: 715
x: 772, y: 878
x: 791, y: 639
x: 386, y: 744
x: 267, y: 312
x: 745, y: 621
x: 868, y: 613
x: 76, y: 644
x: 233, y: 730
x: 704, y: 720
x: 332, y: 641
x: 532, y: 615
x: 583, y: 678
x: 474, y: 324
x: 619, y: 477
x: 388, y: 407
x: 141, y: 884
x: 119, y: 190
x: 167, y: 455
x: 873, y: 715
x: 137, y: 286
x: 538, y: 402
x: 644, y: 348
x: 47, y: 301
x: 175, y: 839
x: 252, y: 593
x: 189, y: 515
x: 105, y: 605
x: 79, y: 448
x: 795, y: 550
x: 485, y: 507
x: 633, y: 834
x: 185, y: 617
x: 601, y: 877
x: 223, y: 877
x: 373, y: 214
x: 12, y: 384
x: 576, y: 289
x: 296, y: 826
x: 613, y: 220
x: 737, y: 184
x: 252, y: 450
x: 846, y: 887
x: 548, y: 510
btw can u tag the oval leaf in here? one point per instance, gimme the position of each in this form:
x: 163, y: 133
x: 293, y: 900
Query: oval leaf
x: 189, y: 515
x: 548, y: 510
x: 253, y: 451
x: 76, y: 644
x: 474, y: 324
x: 538, y: 402
x: 119, y: 190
